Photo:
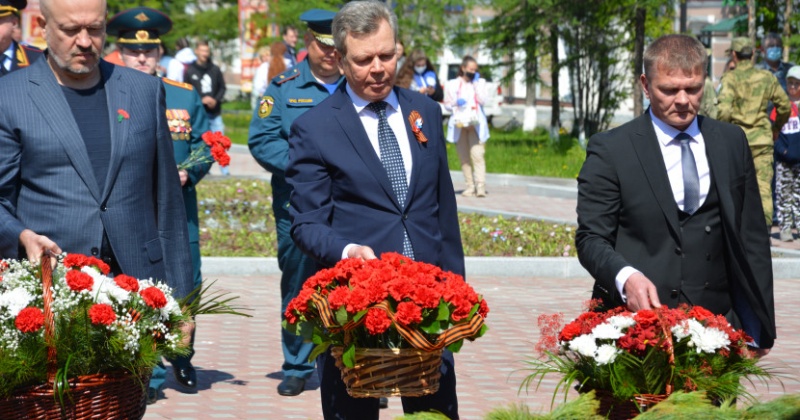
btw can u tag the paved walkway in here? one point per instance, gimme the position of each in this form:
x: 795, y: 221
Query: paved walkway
x: 238, y: 359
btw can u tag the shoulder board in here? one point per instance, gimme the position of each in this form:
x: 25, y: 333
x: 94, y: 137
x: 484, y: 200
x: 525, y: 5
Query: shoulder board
x: 30, y: 48
x: 286, y: 76
x: 177, y: 84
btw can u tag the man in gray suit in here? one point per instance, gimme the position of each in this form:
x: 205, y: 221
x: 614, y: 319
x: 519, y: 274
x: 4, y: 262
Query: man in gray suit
x: 86, y: 160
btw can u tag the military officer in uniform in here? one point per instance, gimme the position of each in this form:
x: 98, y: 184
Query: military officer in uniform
x: 743, y: 98
x: 289, y: 95
x: 138, y: 31
x: 14, y: 55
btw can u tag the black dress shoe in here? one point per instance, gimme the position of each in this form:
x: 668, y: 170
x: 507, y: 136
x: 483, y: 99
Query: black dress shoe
x: 152, y: 396
x: 291, y: 386
x: 186, y: 376
x: 383, y: 402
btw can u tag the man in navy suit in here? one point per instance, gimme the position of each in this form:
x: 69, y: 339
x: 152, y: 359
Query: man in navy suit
x: 86, y: 159
x: 369, y: 170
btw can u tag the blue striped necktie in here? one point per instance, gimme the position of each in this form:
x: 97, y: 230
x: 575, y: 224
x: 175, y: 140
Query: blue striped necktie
x: 392, y: 162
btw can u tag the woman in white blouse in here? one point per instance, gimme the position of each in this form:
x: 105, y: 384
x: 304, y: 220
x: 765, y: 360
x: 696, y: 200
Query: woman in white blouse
x: 467, y: 127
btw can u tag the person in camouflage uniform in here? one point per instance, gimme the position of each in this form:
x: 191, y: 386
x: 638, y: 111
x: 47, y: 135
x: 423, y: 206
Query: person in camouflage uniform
x: 743, y: 99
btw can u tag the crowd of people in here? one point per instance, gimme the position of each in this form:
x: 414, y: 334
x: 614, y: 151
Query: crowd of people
x: 671, y: 205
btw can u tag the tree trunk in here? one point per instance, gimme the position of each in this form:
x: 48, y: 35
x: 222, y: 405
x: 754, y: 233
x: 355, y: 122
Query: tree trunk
x: 787, y: 27
x: 751, y: 23
x: 683, y: 17
x: 555, y: 101
x: 638, y: 60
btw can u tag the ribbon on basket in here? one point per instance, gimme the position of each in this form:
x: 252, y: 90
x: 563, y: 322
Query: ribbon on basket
x: 414, y: 337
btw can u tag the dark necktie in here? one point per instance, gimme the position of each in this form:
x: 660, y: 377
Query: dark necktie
x: 392, y: 162
x: 3, y: 70
x: 691, y: 180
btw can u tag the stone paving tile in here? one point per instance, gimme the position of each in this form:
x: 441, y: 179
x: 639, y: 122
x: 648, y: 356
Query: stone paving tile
x: 238, y: 359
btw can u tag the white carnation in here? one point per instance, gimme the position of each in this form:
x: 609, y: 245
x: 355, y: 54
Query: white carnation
x: 621, y: 321
x: 107, y: 291
x: 15, y: 300
x: 584, y: 345
x: 606, y: 331
x: 710, y: 340
x: 606, y: 354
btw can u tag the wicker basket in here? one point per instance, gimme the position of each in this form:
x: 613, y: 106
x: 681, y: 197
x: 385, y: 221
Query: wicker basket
x: 616, y: 409
x: 390, y: 372
x: 100, y: 396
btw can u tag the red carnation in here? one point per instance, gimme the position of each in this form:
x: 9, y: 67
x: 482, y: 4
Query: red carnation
x: 154, y: 297
x: 78, y: 280
x: 376, y: 321
x: 30, y: 320
x: 75, y: 261
x: 408, y: 313
x: 338, y: 297
x: 483, y: 310
x: 102, y: 314
x: 99, y: 264
x: 126, y: 282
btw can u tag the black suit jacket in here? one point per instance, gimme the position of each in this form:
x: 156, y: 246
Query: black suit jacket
x: 343, y: 195
x: 627, y: 214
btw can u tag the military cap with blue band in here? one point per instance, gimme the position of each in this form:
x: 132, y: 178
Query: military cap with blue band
x: 319, y: 23
x: 8, y: 7
x: 139, y: 28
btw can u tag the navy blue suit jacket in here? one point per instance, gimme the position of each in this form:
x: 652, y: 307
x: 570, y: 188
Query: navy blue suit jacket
x: 47, y: 184
x: 343, y: 195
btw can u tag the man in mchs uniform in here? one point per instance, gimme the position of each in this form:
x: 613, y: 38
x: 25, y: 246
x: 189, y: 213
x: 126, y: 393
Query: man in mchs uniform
x: 138, y: 31
x: 14, y: 55
x: 288, y: 96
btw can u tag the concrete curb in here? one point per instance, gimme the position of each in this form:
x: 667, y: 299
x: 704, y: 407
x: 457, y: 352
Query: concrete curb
x: 552, y: 267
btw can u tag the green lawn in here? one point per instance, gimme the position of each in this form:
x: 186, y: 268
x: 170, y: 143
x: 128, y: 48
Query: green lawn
x: 516, y: 152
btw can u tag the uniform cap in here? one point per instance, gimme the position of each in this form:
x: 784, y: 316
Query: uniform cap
x: 139, y: 28
x: 8, y: 7
x: 742, y: 45
x: 319, y: 23
x: 794, y: 73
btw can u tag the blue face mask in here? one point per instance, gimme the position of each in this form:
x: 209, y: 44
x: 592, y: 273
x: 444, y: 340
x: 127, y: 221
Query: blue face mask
x: 774, y: 53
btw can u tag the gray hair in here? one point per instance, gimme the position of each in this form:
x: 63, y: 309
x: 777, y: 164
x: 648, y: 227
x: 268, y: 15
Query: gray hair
x: 675, y: 52
x: 362, y: 18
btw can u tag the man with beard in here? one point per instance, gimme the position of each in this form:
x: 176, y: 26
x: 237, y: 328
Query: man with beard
x: 86, y: 160
x: 138, y: 33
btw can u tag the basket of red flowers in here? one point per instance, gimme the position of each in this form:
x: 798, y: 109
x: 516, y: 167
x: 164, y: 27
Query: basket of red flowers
x: 387, y: 321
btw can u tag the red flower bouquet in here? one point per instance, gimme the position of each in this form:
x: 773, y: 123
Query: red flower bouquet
x: 215, y: 150
x: 387, y: 303
x: 646, y: 355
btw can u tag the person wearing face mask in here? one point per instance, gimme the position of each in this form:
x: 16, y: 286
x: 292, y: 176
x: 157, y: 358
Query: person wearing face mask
x: 417, y: 73
x: 772, y: 46
x: 468, y: 127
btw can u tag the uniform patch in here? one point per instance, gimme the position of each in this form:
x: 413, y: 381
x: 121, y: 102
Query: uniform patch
x: 265, y: 106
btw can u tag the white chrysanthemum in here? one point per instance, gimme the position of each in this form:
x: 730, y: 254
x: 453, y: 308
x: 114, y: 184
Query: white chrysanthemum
x: 606, y: 331
x: 606, y: 354
x: 584, y: 345
x: 710, y: 340
x: 15, y: 300
x: 621, y: 321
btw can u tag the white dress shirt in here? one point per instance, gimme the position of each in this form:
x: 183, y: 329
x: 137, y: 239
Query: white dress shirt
x: 7, y: 57
x: 369, y: 120
x: 671, y: 152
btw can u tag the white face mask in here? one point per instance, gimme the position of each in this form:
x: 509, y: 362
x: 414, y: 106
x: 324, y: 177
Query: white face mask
x: 420, y: 69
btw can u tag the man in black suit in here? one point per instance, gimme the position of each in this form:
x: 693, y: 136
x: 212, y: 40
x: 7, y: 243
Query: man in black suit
x: 668, y: 205
x: 369, y: 170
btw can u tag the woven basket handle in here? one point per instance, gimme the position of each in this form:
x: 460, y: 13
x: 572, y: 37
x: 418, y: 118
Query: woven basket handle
x: 49, y: 319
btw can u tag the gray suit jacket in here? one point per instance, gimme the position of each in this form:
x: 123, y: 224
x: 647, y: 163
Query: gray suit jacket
x: 47, y: 183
